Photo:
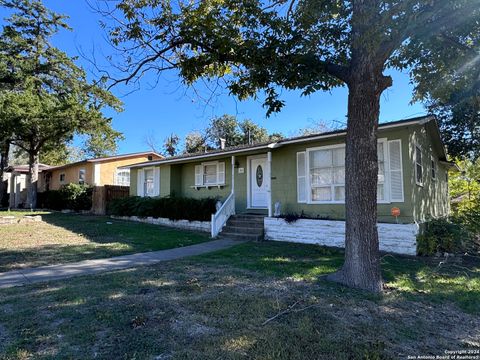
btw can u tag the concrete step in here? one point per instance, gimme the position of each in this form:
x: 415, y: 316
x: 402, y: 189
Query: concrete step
x: 243, y: 229
x: 245, y: 223
x: 241, y: 236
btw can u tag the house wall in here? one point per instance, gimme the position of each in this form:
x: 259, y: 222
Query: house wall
x: 431, y: 199
x: 419, y: 203
x: 284, y: 182
x: 108, y: 168
x: 71, y: 175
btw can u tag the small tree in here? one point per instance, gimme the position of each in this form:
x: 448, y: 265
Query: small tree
x: 171, y: 145
x: 223, y: 127
x: 49, y: 99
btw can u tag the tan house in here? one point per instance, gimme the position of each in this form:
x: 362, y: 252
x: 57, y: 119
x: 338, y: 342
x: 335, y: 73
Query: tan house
x: 94, y: 172
x: 97, y: 172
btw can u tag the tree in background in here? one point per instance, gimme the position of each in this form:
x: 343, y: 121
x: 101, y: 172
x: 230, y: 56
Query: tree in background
x: 252, y: 133
x: 195, y: 142
x: 171, y: 145
x: 45, y: 98
x: 310, y: 46
x: 223, y: 127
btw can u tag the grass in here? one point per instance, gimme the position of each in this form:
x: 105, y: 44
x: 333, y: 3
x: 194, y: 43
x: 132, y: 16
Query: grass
x: 215, y: 307
x: 62, y: 238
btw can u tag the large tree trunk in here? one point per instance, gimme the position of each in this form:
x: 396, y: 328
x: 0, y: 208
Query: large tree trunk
x: 4, y: 152
x: 362, y: 260
x: 32, y: 180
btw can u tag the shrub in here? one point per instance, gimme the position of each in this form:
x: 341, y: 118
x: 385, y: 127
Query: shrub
x: 71, y: 196
x: 173, y: 208
x: 442, y: 235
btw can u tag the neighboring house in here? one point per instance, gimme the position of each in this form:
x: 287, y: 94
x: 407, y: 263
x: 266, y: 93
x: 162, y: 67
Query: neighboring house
x: 97, y: 172
x: 17, y: 183
x: 307, y: 174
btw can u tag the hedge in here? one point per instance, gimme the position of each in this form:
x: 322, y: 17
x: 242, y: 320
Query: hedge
x: 173, y: 208
x: 69, y: 197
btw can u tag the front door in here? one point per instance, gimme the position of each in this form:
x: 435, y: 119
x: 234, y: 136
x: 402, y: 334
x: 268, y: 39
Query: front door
x: 258, y: 182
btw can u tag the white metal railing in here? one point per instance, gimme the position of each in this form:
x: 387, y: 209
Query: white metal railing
x: 221, y: 216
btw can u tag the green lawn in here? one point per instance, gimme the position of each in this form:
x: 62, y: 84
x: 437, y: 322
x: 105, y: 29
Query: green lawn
x: 64, y: 238
x: 218, y: 306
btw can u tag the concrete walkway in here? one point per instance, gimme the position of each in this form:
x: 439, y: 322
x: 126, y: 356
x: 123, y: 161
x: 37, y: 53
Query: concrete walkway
x: 87, y: 267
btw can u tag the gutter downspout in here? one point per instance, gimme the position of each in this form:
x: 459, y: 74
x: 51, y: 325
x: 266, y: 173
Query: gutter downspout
x: 269, y: 190
x: 233, y: 180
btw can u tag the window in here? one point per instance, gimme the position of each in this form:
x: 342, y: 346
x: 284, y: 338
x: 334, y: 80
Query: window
x: 418, y: 165
x: 122, y: 177
x: 210, y: 174
x: 327, y: 174
x: 321, y: 173
x: 62, y: 178
x: 81, y: 176
x: 148, y: 188
x: 434, y: 169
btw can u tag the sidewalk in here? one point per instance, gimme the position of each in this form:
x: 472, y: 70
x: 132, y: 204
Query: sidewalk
x: 87, y: 267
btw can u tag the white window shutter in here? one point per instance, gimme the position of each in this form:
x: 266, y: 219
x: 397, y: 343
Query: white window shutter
x: 396, y: 173
x: 140, y: 182
x: 198, y: 175
x: 221, y: 173
x: 301, y: 177
x: 156, y: 181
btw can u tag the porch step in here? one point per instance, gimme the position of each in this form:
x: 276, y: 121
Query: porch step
x: 241, y: 236
x: 244, y: 226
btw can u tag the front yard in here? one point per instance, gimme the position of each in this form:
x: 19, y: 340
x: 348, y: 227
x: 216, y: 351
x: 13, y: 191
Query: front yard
x: 62, y: 238
x: 254, y: 301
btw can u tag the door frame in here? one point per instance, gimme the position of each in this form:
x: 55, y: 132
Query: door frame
x: 266, y: 177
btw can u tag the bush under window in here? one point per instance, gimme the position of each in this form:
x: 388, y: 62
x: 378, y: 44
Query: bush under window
x: 173, y: 208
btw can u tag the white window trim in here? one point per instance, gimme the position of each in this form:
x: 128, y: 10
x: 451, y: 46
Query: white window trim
x: 418, y: 147
x: 145, y: 181
x: 401, y: 172
x: 60, y: 178
x: 386, y: 183
x: 217, y: 184
x: 118, y: 171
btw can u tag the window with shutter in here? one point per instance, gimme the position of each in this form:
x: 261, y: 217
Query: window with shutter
x: 301, y: 178
x: 396, y: 173
x: 221, y: 173
x: 210, y: 174
x: 198, y: 175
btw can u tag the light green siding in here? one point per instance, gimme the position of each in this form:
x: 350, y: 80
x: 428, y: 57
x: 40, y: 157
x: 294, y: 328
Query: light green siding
x: 429, y: 200
x: 133, y: 182
x: 284, y: 182
x: 420, y: 202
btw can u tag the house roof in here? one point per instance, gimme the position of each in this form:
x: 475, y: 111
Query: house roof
x: 24, y: 168
x: 107, y: 158
x: 298, y: 139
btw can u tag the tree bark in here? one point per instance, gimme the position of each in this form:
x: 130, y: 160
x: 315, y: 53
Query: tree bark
x: 32, y: 180
x: 4, y: 152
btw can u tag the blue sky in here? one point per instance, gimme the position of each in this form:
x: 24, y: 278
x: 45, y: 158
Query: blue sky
x: 171, y: 108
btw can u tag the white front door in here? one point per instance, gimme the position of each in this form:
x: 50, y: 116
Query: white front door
x: 258, y: 182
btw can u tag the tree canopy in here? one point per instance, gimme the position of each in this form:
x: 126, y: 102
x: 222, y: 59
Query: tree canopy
x: 258, y: 47
x: 45, y: 98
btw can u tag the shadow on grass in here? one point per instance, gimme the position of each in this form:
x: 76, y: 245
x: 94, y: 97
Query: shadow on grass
x: 70, y: 237
x: 415, y: 278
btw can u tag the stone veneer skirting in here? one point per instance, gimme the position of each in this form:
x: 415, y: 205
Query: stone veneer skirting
x: 395, y: 238
x: 180, y: 224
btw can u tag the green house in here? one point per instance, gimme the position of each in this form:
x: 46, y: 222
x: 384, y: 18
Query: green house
x: 306, y: 174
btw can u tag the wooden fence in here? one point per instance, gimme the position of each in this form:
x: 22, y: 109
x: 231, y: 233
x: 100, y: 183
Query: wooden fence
x: 102, y: 195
